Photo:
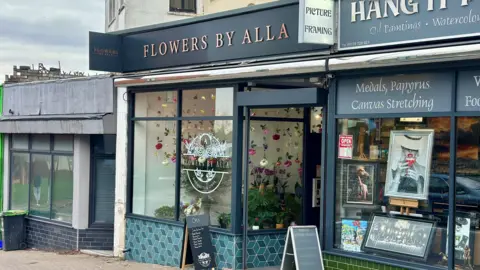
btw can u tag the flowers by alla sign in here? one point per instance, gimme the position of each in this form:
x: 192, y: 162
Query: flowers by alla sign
x: 368, y: 23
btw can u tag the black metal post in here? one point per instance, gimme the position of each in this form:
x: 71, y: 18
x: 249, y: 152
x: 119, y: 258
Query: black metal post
x: 178, y: 150
x: 245, y: 187
x: 237, y: 160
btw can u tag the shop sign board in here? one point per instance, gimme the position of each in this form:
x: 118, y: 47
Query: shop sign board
x: 197, y: 246
x: 367, y: 23
x: 302, y: 249
x: 203, y: 40
x: 345, y: 147
x: 406, y: 93
x: 316, y: 24
x: 468, y: 91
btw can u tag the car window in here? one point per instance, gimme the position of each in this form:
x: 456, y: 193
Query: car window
x: 438, y: 185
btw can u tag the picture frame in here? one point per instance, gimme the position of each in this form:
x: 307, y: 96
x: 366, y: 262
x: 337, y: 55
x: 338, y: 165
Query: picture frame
x: 399, y: 236
x: 464, y: 236
x: 360, y: 182
x: 409, y: 162
x: 352, y: 234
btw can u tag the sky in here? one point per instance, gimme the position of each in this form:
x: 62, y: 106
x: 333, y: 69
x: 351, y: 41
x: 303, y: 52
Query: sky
x: 48, y: 31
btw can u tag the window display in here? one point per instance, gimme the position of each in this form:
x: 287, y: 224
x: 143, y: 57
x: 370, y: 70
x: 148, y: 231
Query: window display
x: 395, y: 165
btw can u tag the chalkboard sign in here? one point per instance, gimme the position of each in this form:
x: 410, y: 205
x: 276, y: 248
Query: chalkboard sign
x: 197, y: 244
x: 302, y: 249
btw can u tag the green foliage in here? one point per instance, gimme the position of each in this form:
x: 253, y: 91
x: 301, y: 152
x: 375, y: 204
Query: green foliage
x: 166, y: 212
x: 224, y: 219
x: 262, y: 206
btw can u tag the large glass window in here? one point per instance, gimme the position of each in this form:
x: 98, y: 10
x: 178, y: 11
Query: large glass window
x: 276, y: 168
x: 385, y: 165
x: 467, y: 189
x: 166, y: 126
x: 41, y: 178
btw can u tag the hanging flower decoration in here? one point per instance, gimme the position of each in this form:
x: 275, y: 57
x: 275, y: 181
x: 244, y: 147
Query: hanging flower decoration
x: 165, y: 162
x: 297, y: 160
x: 287, y: 163
x: 201, y: 159
x: 253, y: 113
x: 263, y: 163
x: 159, y: 145
x: 279, y: 161
x: 213, y: 97
x: 166, y: 132
x: 276, y: 136
x: 159, y: 98
x: 298, y: 131
x: 174, y: 158
x: 204, y: 98
x: 252, y: 152
x: 300, y: 171
x: 264, y: 129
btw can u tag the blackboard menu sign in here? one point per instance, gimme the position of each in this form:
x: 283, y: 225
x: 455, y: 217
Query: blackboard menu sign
x: 468, y: 91
x: 198, y: 243
x: 302, y: 249
x: 404, y: 93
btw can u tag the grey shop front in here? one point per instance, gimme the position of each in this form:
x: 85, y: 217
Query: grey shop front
x: 312, y: 138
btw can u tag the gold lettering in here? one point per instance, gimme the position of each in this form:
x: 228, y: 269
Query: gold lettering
x: 145, y: 50
x: 185, y: 45
x: 257, y: 35
x: 174, y: 46
x: 246, y: 37
x: 283, y: 31
x: 194, y: 44
x: 219, y: 40
x: 269, y: 33
x: 162, y: 48
x: 154, y: 52
x: 204, y: 42
x: 230, y: 37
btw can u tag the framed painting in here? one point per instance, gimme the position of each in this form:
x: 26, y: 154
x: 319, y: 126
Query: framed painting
x: 360, y: 182
x: 353, y: 233
x: 408, y: 166
x: 399, y: 236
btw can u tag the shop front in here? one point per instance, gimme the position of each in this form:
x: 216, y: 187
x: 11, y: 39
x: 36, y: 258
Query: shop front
x: 379, y: 150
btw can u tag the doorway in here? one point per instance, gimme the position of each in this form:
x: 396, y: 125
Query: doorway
x: 282, y: 165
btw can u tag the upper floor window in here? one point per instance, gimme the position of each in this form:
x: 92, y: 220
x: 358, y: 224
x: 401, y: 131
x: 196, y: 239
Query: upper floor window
x: 111, y: 10
x: 183, y: 6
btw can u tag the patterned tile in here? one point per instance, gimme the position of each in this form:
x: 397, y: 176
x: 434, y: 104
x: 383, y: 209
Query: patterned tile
x: 262, y: 250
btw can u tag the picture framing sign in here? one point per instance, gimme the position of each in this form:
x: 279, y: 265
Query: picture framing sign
x: 367, y: 23
x: 316, y: 22
x: 302, y: 249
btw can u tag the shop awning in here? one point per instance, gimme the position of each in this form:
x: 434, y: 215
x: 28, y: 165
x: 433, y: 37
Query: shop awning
x: 60, y: 124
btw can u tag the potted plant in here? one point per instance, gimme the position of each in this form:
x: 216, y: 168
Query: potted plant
x: 256, y: 224
x: 167, y: 212
x: 224, y: 220
x: 280, y: 220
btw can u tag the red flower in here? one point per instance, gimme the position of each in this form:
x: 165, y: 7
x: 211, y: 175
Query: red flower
x: 287, y: 163
x: 297, y: 161
x: 276, y: 137
x: 158, y: 146
x: 278, y: 163
x: 252, y: 152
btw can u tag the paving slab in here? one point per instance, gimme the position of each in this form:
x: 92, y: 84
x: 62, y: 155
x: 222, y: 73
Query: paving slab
x: 40, y: 260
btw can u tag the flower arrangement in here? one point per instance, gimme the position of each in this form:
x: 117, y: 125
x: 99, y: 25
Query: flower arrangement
x: 191, y: 208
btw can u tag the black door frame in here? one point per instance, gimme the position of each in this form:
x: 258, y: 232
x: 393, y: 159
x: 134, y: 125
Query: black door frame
x: 281, y: 96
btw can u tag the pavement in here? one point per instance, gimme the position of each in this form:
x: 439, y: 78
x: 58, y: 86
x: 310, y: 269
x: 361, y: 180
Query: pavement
x: 40, y: 260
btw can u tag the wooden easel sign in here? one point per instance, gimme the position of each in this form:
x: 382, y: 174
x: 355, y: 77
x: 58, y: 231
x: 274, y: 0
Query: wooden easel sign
x: 198, y: 249
x: 302, y: 249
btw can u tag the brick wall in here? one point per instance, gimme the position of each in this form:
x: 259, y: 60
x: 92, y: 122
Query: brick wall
x: 47, y: 235
x: 98, y: 239
x: 342, y: 263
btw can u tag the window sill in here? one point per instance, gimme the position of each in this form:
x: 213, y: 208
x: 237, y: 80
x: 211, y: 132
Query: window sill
x: 49, y: 221
x: 381, y: 260
x: 184, y: 14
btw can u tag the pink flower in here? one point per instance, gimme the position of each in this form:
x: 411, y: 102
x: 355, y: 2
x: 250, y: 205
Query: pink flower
x: 192, y: 158
x: 173, y: 159
x: 252, y: 152
x: 265, y: 131
x: 300, y: 170
x: 287, y: 163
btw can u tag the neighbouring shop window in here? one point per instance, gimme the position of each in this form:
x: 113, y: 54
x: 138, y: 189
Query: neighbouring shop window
x: 42, y: 176
x: 183, y: 5
x: 154, y: 171
x: 157, y: 136
x: 206, y: 180
x: 467, y: 189
x: 382, y: 160
x: 276, y: 168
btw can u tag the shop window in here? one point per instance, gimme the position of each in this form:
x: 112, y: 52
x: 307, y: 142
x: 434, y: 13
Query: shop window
x: 20, y: 171
x: 295, y: 113
x: 316, y: 120
x: 467, y: 185
x: 63, y: 143
x: 42, y: 179
x: 206, y: 170
x: 156, y: 104
x: 208, y: 102
x: 380, y: 161
x: 154, y: 171
x: 20, y: 141
x: 275, y: 179
x: 183, y: 5
x: 62, y: 188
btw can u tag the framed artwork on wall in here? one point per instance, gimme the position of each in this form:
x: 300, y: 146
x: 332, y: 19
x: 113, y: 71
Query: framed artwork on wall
x: 409, y: 161
x: 360, y: 184
x: 353, y: 233
x: 400, y: 236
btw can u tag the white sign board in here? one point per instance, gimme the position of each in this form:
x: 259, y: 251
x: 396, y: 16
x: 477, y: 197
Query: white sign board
x: 316, y: 22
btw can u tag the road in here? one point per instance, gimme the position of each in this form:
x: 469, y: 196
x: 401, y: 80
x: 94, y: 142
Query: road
x: 38, y: 260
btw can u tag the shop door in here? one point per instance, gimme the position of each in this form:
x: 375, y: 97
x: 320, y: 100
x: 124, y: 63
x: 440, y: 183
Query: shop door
x: 283, y: 146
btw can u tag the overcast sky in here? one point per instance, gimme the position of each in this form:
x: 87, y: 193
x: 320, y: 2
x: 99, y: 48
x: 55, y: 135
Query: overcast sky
x: 48, y: 31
